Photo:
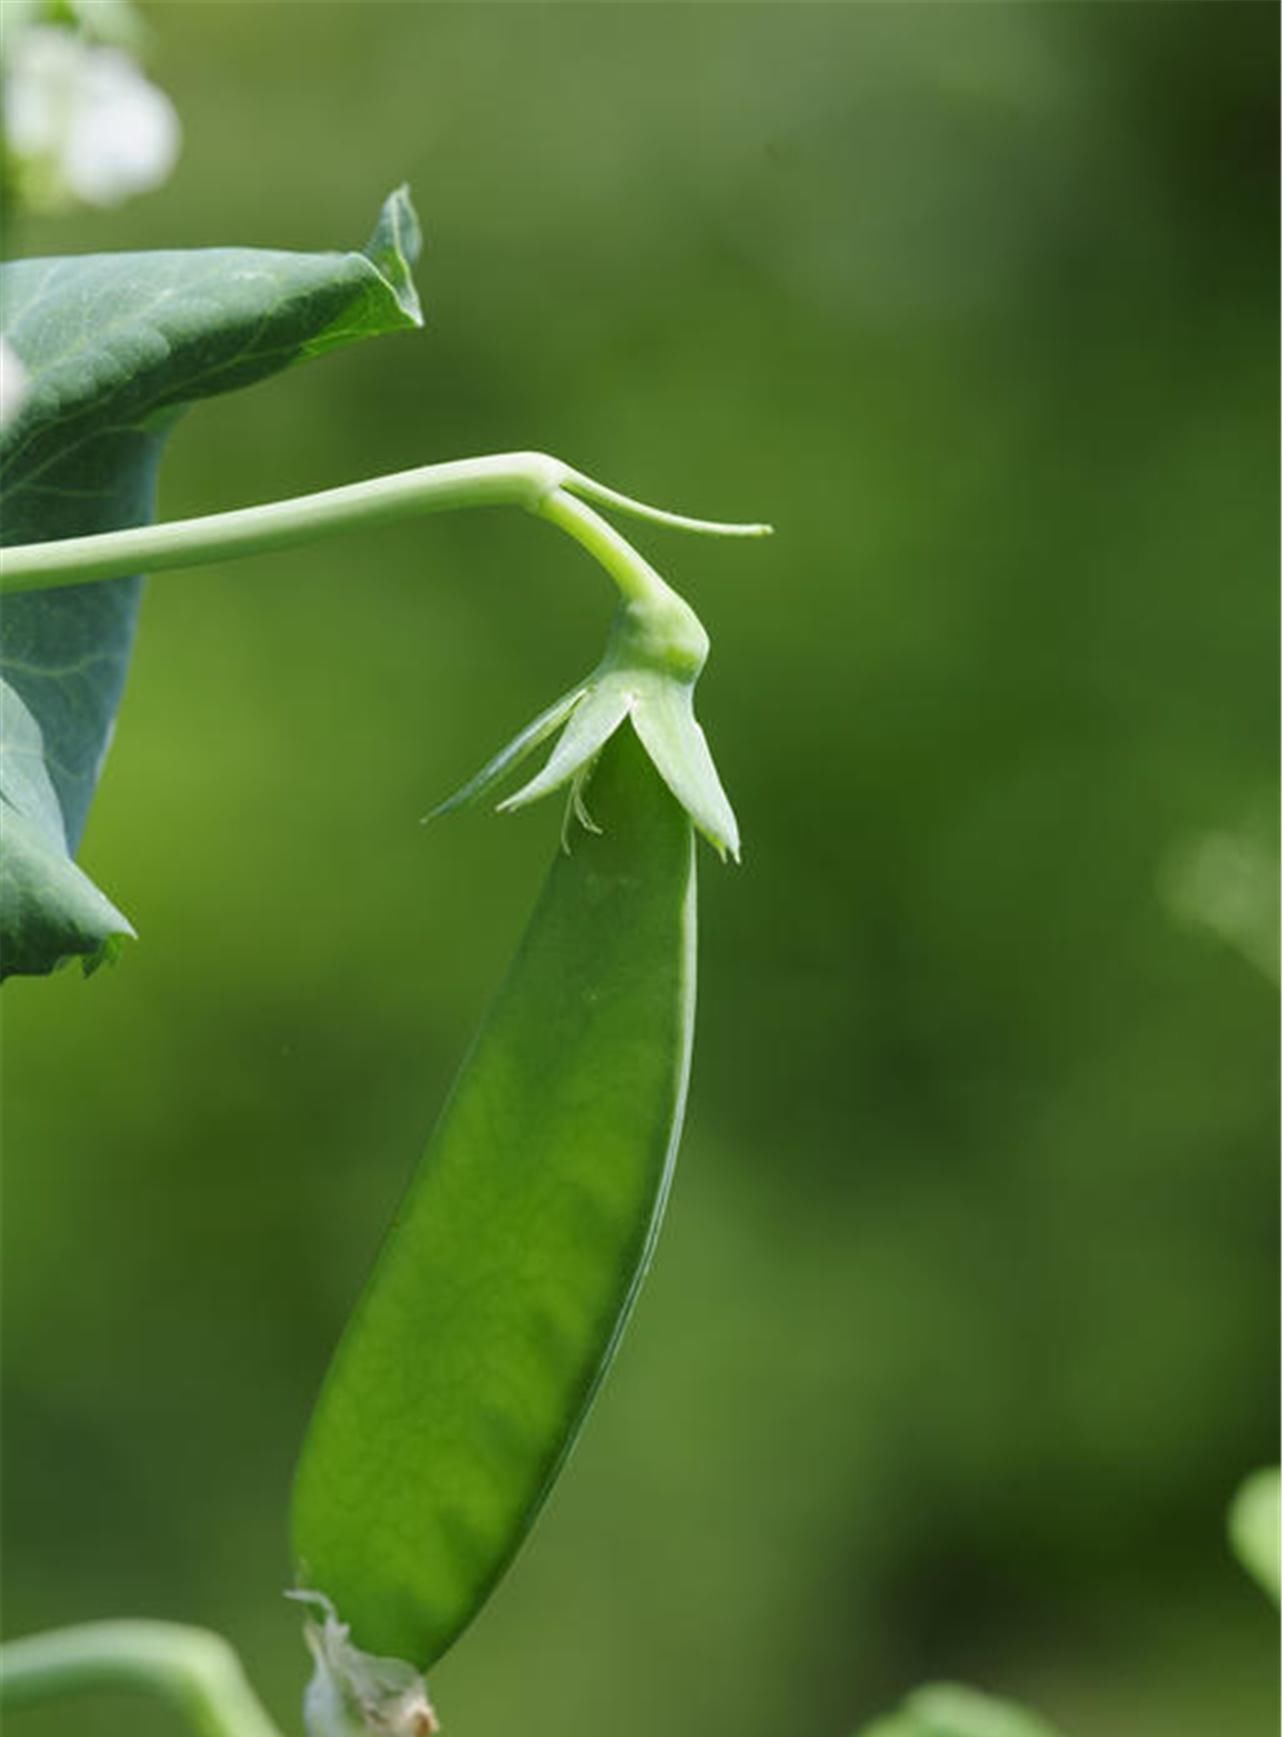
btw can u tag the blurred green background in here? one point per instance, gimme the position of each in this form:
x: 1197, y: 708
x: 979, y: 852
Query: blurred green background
x: 963, y: 1328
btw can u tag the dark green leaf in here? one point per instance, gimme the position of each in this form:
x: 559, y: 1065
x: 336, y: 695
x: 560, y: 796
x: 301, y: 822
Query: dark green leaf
x: 117, y: 345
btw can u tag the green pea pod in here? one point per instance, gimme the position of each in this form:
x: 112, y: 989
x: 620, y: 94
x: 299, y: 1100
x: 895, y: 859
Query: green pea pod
x: 500, y: 1295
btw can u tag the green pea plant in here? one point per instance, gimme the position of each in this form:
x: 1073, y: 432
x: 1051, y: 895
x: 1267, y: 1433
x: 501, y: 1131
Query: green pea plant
x: 518, y: 1253
x: 470, y: 1362
x: 955, y: 1710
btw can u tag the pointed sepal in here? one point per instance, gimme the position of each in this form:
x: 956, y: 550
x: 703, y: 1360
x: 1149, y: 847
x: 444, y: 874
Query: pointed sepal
x: 517, y: 751
x: 648, y: 674
x: 608, y: 702
x: 663, y: 717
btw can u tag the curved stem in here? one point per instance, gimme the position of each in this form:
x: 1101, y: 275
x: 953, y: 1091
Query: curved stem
x: 635, y: 578
x: 525, y: 479
x: 193, y: 1669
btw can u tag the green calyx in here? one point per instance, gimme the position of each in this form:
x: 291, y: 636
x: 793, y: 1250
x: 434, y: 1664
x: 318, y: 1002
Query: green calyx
x: 655, y: 652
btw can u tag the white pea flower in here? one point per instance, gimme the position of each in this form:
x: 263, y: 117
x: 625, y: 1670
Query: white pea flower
x: 355, y: 1694
x: 82, y: 122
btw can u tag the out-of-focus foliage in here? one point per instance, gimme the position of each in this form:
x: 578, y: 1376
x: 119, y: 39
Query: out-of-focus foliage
x: 952, y: 1710
x: 82, y: 124
x: 964, y: 1323
x: 1253, y: 1528
x: 1227, y: 881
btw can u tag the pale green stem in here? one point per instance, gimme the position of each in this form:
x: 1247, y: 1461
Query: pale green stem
x: 195, y: 1671
x: 578, y: 484
x: 635, y: 577
x: 525, y: 479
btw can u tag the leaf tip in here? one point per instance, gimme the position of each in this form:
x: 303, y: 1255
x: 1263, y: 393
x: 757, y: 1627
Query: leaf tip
x: 393, y: 249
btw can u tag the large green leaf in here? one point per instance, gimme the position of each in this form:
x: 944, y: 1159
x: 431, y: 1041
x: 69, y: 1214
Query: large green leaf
x: 116, y: 346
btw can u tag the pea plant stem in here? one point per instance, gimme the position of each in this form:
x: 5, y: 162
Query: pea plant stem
x: 636, y: 579
x: 541, y: 484
x: 195, y: 1671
